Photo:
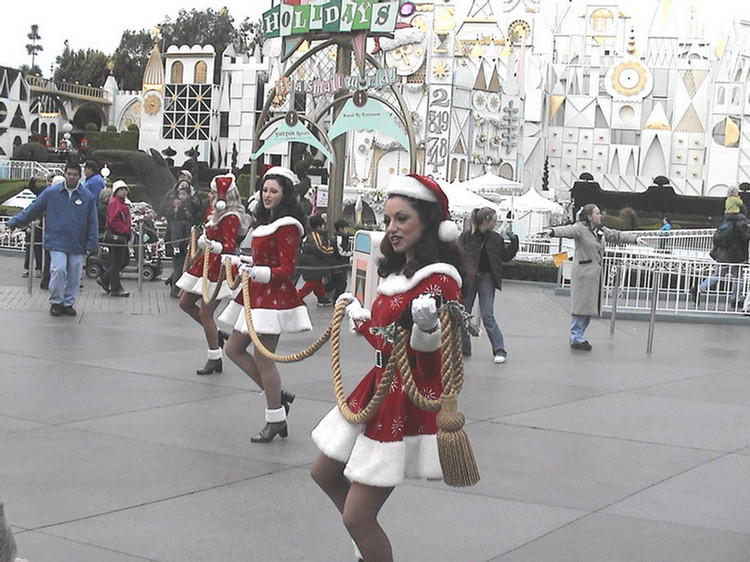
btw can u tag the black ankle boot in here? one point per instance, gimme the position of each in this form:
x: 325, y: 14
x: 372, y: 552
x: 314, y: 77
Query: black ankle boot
x: 212, y: 366
x: 223, y: 336
x: 286, y: 400
x: 271, y: 430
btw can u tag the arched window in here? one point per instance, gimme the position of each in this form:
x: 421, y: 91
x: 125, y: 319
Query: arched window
x: 601, y: 20
x: 720, y: 96
x: 201, y: 69
x: 736, y: 95
x: 43, y: 132
x: 176, y: 77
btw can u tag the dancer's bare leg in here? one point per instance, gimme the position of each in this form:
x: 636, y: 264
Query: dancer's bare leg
x: 206, y: 315
x: 269, y: 373
x: 188, y: 303
x: 329, y: 475
x: 360, y: 516
x: 236, y: 350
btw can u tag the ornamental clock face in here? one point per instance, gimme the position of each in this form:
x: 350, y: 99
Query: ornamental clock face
x: 152, y: 104
x: 629, y: 79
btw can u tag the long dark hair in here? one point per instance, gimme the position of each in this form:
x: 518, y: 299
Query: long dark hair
x: 428, y: 249
x: 288, y: 207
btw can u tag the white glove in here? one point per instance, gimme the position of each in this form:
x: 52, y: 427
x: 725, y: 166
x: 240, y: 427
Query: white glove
x: 246, y: 259
x: 424, y: 313
x: 233, y: 259
x: 215, y: 247
x: 201, y: 241
x: 355, y: 311
x: 249, y: 269
x: 348, y: 297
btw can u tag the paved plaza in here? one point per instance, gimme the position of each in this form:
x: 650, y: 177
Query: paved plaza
x: 113, y: 450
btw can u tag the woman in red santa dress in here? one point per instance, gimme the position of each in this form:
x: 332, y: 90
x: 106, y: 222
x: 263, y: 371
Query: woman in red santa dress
x: 359, y: 465
x: 226, y: 220
x: 275, y: 304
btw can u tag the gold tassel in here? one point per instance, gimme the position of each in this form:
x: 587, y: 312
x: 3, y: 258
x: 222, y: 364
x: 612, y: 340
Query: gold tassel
x: 456, y: 457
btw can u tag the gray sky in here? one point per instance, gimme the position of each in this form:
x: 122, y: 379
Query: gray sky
x: 90, y: 24
x: 99, y: 25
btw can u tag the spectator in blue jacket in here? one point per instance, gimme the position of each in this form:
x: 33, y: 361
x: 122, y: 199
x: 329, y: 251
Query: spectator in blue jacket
x: 94, y: 181
x: 71, y: 229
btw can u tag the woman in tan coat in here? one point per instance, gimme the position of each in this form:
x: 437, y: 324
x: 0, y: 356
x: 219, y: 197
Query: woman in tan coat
x: 590, y: 238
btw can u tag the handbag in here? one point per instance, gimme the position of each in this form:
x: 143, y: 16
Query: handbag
x: 114, y: 238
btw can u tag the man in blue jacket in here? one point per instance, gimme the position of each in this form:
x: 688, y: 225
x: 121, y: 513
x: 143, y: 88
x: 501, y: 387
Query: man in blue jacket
x: 70, y: 231
x: 94, y: 181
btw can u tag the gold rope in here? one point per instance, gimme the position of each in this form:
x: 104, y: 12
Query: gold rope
x: 338, y: 387
x: 454, y: 449
x: 294, y: 357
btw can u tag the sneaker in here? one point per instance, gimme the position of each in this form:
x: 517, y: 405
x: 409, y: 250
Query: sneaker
x: 102, y: 285
x: 25, y: 273
x: 325, y: 301
x: 499, y: 359
x: 68, y: 311
x: 38, y: 274
x: 55, y: 310
x: 582, y: 345
x: 120, y: 294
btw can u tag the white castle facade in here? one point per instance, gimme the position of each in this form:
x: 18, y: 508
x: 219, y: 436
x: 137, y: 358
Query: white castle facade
x: 530, y: 90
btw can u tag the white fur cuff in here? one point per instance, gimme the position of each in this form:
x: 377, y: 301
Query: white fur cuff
x: 424, y: 342
x: 261, y: 274
x: 214, y: 353
x: 275, y: 416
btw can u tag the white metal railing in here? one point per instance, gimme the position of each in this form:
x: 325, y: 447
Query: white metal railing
x: 637, y: 272
x: 11, y: 240
x: 73, y: 89
x: 20, y: 170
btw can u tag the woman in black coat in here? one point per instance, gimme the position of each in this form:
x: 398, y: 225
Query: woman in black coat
x: 484, y: 252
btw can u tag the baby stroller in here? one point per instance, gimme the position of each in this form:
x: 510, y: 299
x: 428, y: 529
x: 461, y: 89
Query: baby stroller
x: 152, y: 266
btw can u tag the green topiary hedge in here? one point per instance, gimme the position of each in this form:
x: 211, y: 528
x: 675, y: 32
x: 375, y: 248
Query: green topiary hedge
x: 530, y: 271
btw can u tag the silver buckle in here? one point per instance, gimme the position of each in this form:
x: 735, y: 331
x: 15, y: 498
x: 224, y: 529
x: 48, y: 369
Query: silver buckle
x: 378, y: 358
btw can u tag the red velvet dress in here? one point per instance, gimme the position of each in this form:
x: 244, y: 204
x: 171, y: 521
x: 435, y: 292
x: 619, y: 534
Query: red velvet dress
x: 225, y: 232
x: 276, y: 306
x: 399, y: 441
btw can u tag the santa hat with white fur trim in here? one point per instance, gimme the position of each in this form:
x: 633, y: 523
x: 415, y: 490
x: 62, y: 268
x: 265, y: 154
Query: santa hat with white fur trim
x: 283, y: 172
x: 426, y: 189
x: 222, y: 185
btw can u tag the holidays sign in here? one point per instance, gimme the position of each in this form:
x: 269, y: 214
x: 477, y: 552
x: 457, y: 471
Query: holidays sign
x: 334, y: 16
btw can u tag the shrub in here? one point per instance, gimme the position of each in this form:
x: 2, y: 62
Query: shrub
x: 530, y: 271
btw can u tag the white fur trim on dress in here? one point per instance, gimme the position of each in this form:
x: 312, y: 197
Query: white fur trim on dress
x: 210, y: 222
x: 376, y: 463
x: 192, y: 284
x: 267, y: 320
x: 268, y: 229
x: 424, y: 342
x: 395, y: 284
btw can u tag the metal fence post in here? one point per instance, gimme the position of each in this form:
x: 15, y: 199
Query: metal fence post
x: 615, y: 294
x: 652, y: 318
x: 140, y: 257
x: 30, y: 245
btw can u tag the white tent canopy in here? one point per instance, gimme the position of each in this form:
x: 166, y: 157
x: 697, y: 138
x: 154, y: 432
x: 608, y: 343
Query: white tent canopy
x: 493, y: 187
x: 533, y: 201
x: 462, y: 201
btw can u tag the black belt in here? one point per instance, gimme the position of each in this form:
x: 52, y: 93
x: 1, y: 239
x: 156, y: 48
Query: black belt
x: 382, y: 358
